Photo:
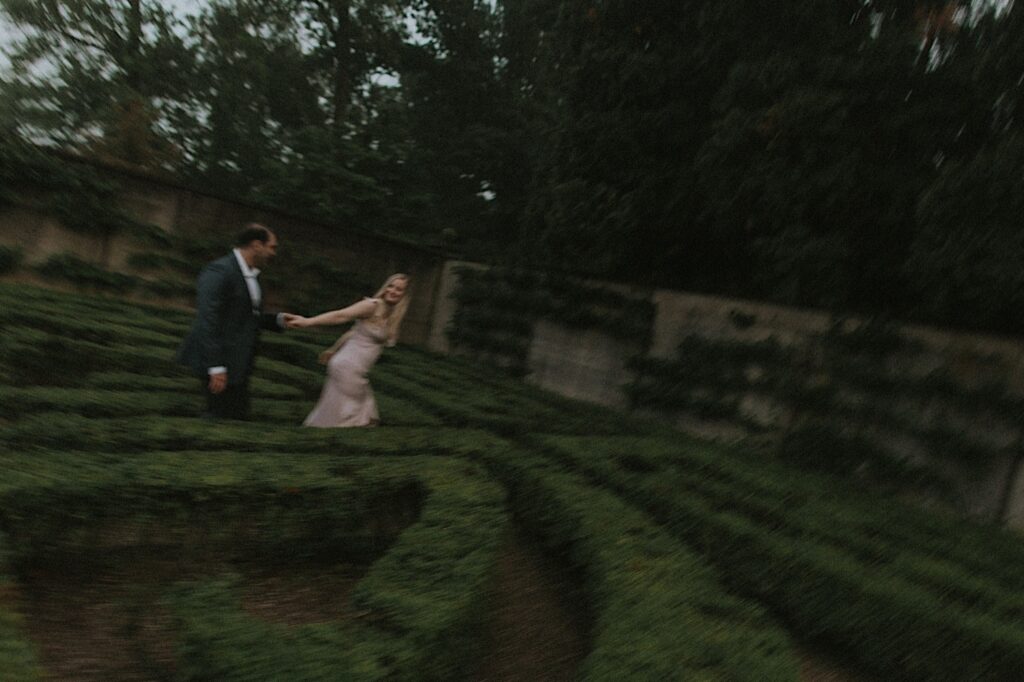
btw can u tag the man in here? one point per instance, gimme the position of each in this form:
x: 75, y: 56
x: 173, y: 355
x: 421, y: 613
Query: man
x: 221, y: 346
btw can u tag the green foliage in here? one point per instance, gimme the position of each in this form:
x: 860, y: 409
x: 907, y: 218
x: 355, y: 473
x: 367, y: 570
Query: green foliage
x: 71, y: 268
x: 313, y: 285
x: 88, y: 210
x: 221, y: 641
x: 819, y: 446
x: 855, y: 161
x: 659, y: 611
x: 689, y: 150
x: 10, y: 259
x: 876, y: 337
x: 681, y: 547
x: 31, y: 357
x: 835, y: 571
x: 106, y: 65
x: 165, y: 287
x: 970, y: 243
x: 498, y: 307
x: 267, y: 504
x: 834, y: 400
x: 151, y: 260
x: 17, y: 656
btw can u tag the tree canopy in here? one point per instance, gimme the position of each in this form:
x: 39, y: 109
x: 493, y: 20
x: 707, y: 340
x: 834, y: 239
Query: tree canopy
x: 858, y: 155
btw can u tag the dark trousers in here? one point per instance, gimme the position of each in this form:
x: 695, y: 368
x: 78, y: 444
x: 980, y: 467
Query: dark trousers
x: 231, y: 403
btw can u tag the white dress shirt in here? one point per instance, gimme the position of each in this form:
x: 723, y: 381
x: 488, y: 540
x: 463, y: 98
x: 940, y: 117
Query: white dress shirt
x: 251, y: 283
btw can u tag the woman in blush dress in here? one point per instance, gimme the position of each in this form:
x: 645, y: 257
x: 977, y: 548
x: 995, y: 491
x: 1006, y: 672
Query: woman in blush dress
x: 346, y: 398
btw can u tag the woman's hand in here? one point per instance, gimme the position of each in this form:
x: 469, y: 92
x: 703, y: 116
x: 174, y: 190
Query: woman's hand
x: 325, y: 356
x: 297, y: 322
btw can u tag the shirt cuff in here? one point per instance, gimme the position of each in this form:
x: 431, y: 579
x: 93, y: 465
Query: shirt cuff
x: 280, y: 321
x: 217, y: 370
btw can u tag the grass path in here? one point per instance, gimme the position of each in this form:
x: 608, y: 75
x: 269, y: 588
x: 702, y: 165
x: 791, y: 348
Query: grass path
x: 536, y: 630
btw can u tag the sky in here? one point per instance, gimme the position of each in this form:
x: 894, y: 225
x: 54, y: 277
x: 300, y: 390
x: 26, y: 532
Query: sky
x: 9, y: 33
x: 186, y: 7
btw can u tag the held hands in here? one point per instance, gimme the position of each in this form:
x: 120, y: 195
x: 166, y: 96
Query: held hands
x: 292, y: 321
x: 218, y: 382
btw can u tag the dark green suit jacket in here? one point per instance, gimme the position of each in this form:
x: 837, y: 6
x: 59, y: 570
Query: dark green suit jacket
x: 227, y: 327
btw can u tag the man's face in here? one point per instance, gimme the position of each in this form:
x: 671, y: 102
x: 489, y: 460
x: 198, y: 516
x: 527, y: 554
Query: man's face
x: 263, y: 252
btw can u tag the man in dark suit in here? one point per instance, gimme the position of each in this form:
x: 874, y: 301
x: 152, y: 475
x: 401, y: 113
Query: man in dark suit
x: 221, y: 346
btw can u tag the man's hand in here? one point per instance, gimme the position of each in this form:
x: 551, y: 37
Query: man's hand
x: 218, y: 382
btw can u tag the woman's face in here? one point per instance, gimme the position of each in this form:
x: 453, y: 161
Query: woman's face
x: 394, y: 291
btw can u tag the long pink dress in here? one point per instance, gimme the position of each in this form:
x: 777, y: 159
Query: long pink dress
x: 347, y: 399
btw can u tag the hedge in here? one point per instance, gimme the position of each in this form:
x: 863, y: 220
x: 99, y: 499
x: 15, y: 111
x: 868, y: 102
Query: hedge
x: 659, y: 611
x: 423, y: 595
x: 886, y: 620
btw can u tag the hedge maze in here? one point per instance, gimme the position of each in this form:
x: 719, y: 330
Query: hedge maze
x: 695, y: 562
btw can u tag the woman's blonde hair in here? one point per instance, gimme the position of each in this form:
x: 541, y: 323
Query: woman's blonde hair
x: 391, y: 316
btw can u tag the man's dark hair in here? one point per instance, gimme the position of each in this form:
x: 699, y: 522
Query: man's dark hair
x: 253, y: 232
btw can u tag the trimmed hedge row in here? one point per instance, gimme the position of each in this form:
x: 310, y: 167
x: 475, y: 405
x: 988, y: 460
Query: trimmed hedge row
x: 10, y: 259
x: 659, y: 611
x: 875, y: 528
x: 456, y: 374
x: 88, y: 402
x: 422, y: 597
x: 259, y: 387
x: 98, y: 309
x: 17, y: 656
x: 219, y: 641
x: 950, y: 579
x: 50, y: 358
x: 271, y: 405
x: 147, y: 433
x: 888, y: 585
x: 464, y: 401
x: 889, y: 623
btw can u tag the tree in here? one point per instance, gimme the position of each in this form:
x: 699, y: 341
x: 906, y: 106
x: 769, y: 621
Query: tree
x: 826, y: 135
x: 90, y: 73
x: 965, y: 261
x: 250, y: 89
x: 354, y: 42
x: 462, y: 118
x: 624, y: 92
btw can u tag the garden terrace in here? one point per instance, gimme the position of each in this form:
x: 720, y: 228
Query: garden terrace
x: 687, y: 560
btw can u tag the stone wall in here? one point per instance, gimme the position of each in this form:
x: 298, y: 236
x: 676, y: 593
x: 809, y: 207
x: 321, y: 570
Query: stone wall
x: 580, y: 364
x: 38, y: 235
x: 929, y: 397
x: 184, y: 211
x: 936, y: 399
x: 941, y: 403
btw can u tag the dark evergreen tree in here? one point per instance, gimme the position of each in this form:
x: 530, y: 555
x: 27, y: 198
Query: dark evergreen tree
x: 91, y: 74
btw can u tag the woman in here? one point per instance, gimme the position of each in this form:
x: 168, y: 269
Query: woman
x: 347, y: 399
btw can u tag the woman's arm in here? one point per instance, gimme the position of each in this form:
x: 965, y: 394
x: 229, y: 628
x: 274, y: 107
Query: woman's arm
x: 356, y: 311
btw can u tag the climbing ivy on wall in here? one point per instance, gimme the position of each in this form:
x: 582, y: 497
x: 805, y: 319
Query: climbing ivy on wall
x: 83, y: 200
x: 498, y: 307
x: 847, y: 400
